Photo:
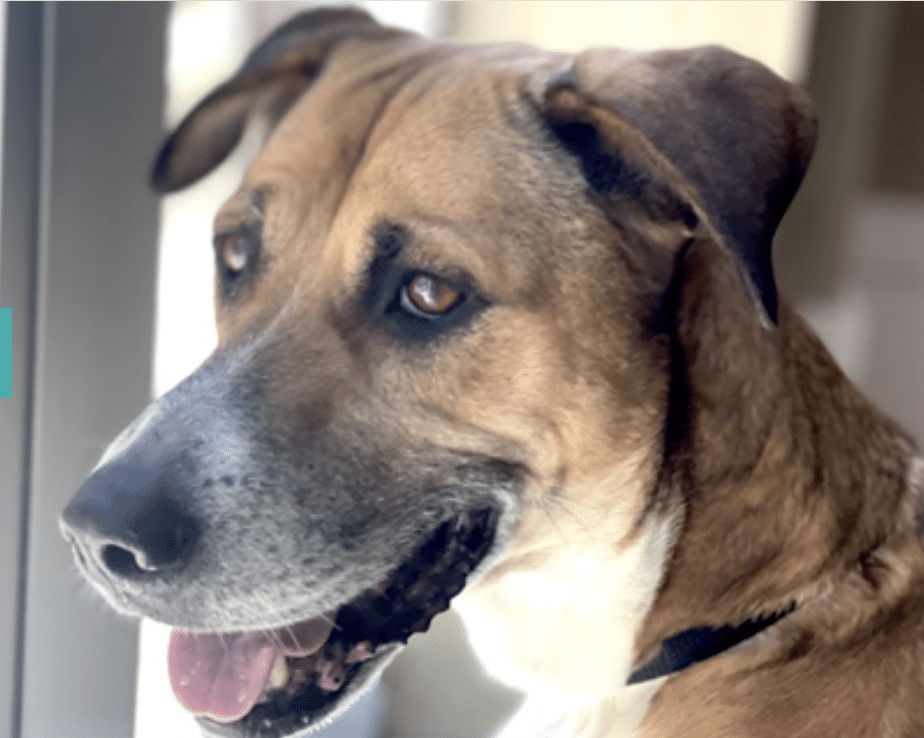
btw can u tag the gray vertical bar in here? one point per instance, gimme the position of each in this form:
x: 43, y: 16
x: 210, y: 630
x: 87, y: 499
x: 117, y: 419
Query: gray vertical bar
x: 100, y: 121
x: 846, y: 83
x: 19, y: 222
x: 898, y: 165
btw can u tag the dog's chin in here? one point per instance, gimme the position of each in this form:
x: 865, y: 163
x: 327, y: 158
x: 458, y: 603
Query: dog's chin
x: 311, y: 690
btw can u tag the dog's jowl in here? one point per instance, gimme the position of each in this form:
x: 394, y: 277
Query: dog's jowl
x: 499, y: 328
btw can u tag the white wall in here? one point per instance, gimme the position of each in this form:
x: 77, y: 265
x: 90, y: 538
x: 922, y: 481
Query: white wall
x: 781, y: 43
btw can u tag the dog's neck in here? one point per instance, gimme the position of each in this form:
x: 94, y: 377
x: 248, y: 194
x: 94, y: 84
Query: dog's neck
x: 825, y: 514
x: 770, y: 522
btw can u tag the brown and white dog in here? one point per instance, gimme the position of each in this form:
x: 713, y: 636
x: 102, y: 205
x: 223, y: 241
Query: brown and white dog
x: 504, y: 320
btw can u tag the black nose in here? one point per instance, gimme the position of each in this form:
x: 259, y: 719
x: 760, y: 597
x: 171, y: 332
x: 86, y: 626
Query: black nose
x: 128, y: 520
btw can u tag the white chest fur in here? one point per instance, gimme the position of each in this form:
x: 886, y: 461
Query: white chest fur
x: 562, y: 628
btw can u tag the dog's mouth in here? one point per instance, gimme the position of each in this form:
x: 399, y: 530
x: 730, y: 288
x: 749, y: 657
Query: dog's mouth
x: 277, y: 682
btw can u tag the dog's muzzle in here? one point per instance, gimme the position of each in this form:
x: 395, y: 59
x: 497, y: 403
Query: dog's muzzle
x: 291, y: 572
x: 125, y: 525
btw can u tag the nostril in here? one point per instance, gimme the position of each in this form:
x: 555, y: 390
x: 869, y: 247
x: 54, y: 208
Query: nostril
x: 162, y: 548
x: 120, y: 561
x: 132, y: 521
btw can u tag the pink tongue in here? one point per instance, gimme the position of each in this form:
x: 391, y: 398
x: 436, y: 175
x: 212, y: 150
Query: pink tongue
x: 222, y: 676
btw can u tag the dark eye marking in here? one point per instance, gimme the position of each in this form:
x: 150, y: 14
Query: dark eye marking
x: 238, y: 253
x: 416, y: 304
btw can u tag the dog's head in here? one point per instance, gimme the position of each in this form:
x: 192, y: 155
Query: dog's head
x: 464, y: 296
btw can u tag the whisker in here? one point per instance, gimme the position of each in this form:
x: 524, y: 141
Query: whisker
x: 333, y: 623
x: 272, y: 635
x: 292, y: 636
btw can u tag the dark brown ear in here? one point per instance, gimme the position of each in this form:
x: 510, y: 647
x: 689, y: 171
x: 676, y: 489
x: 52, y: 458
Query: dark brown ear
x: 713, y: 146
x: 270, y: 80
x: 740, y: 135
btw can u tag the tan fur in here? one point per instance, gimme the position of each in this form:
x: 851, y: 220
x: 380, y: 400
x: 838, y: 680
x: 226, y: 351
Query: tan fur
x: 685, y: 461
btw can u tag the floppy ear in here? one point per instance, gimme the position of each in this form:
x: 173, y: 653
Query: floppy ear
x: 272, y: 77
x: 715, y: 146
x: 740, y: 135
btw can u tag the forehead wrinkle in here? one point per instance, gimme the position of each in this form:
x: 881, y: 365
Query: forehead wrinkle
x: 345, y: 245
x: 320, y: 122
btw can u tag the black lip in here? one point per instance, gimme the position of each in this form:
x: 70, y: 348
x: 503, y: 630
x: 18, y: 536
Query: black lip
x: 306, y: 712
x: 418, y: 590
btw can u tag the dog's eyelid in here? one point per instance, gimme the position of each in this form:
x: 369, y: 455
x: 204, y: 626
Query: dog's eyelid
x: 247, y: 234
x: 251, y: 227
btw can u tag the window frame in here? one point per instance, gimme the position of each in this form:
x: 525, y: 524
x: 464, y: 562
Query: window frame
x: 78, y: 268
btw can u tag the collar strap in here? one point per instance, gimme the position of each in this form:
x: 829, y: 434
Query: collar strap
x: 692, y: 646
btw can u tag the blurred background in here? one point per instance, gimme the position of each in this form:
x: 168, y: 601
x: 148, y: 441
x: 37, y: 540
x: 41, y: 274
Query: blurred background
x: 111, y: 289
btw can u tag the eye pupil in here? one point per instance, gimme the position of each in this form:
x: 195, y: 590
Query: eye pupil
x: 429, y: 296
x: 233, y: 254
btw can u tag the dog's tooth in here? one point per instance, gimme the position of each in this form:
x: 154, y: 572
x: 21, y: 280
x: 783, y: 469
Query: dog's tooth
x: 279, y: 674
x: 360, y: 652
x: 332, y: 676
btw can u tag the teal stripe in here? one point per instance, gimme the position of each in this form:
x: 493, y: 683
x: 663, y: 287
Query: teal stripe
x: 6, y: 352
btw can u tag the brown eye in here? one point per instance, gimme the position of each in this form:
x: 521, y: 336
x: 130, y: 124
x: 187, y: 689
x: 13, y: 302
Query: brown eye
x: 233, y: 253
x: 429, y: 297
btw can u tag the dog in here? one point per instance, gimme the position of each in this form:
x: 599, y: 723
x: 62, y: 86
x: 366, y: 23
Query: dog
x: 500, y: 327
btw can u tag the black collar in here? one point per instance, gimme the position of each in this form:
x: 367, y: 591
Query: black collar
x: 692, y: 646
